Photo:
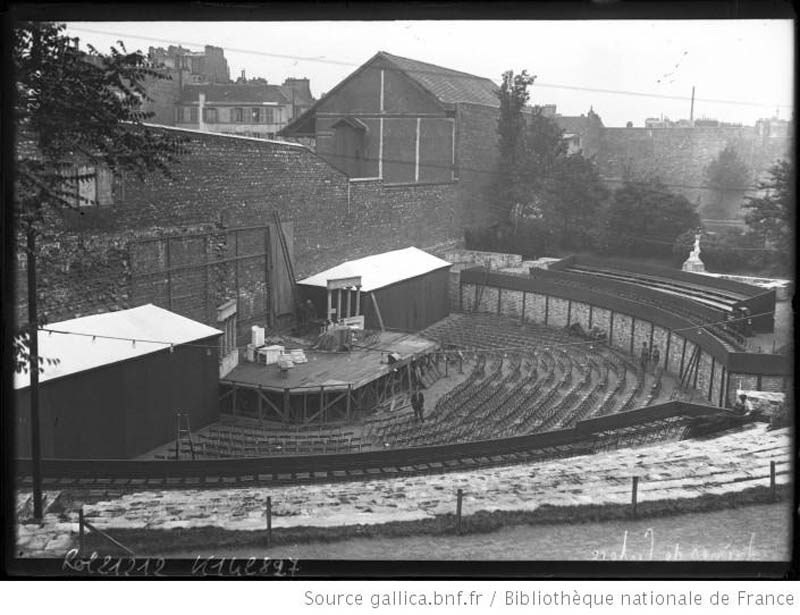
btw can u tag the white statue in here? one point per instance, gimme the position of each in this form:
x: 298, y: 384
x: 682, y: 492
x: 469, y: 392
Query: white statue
x: 693, y: 263
x: 696, y: 251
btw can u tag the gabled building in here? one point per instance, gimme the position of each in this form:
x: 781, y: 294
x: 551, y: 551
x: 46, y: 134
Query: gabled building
x: 405, y: 122
x: 583, y: 133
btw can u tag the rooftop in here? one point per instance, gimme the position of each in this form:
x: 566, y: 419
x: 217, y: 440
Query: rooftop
x: 235, y: 93
x: 448, y: 85
x: 78, y: 353
x: 379, y: 270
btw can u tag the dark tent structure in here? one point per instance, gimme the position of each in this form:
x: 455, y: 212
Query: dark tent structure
x: 119, y: 382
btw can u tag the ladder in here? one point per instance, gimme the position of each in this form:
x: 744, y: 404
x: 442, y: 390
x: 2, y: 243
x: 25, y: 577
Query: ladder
x: 287, y: 258
x: 184, y: 435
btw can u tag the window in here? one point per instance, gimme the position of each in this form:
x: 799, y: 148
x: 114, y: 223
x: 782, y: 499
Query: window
x: 193, y: 115
x: 80, y: 185
x: 238, y: 114
x: 269, y: 116
x: 256, y: 115
x: 210, y: 115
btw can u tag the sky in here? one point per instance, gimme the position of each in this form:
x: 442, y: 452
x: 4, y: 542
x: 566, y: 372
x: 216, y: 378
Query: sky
x: 742, y: 70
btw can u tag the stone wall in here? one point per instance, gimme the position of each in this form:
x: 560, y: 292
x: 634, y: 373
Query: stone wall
x: 224, y: 182
x: 476, y: 160
x: 679, y: 156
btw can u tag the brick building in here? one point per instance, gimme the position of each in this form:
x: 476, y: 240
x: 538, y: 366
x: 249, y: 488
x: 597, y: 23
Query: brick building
x: 198, y: 93
x: 248, y: 109
x: 207, y: 66
x: 403, y: 121
x: 582, y: 132
x: 206, y: 237
x: 182, y: 67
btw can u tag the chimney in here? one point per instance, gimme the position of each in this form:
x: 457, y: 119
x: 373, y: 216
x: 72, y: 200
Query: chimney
x: 201, y: 103
x: 244, y: 77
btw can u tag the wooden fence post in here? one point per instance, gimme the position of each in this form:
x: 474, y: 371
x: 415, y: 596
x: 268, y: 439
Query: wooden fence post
x: 772, y: 485
x: 634, y: 493
x: 80, y: 533
x: 460, y: 497
x: 269, y: 520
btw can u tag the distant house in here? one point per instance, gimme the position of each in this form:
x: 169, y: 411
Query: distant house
x: 247, y: 109
x: 118, y: 398
x: 405, y: 121
x: 582, y: 133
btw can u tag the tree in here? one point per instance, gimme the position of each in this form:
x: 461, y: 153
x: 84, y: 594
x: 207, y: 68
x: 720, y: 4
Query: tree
x: 771, y: 216
x: 572, y: 199
x: 728, y: 177
x: 509, y: 187
x: 545, y: 147
x: 72, y: 109
x: 644, y: 218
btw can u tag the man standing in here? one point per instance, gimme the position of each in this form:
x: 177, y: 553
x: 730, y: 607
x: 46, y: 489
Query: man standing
x: 417, y: 403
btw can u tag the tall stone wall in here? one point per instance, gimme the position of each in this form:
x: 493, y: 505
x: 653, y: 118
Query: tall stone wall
x: 679, y: 156
x: 476, y: 161
x: 224, y: 182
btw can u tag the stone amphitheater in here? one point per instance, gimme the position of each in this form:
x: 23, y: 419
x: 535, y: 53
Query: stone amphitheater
x: 505, y: 379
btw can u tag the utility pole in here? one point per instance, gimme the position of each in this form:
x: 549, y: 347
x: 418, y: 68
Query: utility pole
x: 33, y: 348
x: 691, y: 110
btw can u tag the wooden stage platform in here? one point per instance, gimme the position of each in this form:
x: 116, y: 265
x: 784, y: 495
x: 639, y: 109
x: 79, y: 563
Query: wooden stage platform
x: 331, y: 385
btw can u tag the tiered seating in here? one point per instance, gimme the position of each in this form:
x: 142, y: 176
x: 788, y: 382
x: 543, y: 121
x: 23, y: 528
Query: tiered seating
x: 675, y: 304
x: 520, y: 380
x: 242, y: 440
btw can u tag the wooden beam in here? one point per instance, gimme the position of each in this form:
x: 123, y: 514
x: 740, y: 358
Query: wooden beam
x: 324, y: 406
x: 633, y: 331
x: 263, y: 397
x: 711, y: 381
x: 377, y: 310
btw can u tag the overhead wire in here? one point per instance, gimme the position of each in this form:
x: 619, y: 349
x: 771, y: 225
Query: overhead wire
x: 173, y: 343
x: 322, y: 60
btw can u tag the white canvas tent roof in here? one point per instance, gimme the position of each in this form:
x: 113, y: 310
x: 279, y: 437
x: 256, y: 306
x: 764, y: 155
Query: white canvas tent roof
x: 77, y: 353
x: 379, y: 270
